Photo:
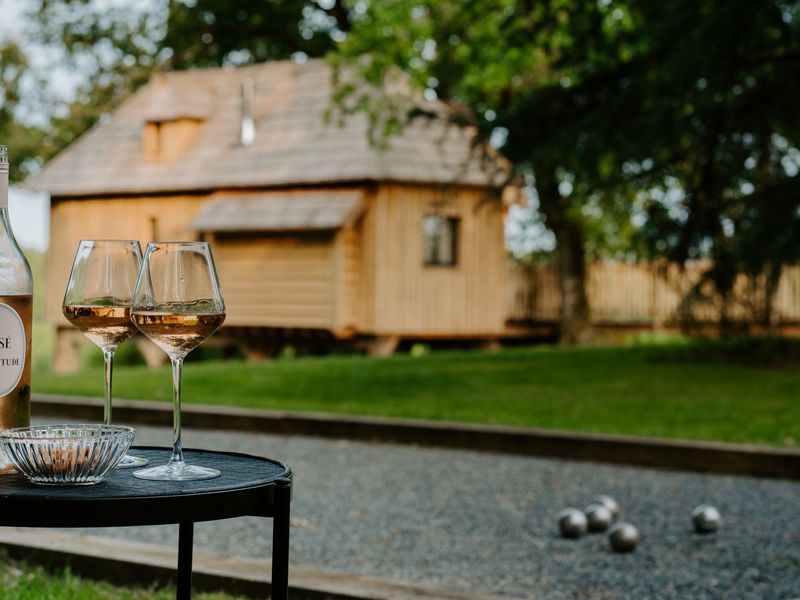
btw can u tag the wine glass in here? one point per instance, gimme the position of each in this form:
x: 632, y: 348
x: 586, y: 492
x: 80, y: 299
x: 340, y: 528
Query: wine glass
x: 177, y: 303
x: 98, y: 302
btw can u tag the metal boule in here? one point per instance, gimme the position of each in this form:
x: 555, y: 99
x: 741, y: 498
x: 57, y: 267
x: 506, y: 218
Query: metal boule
x: 571, y: 523
x: 598, y: 517
x: 705, y: 519
x: 623, y: 537
x: 609, y: 503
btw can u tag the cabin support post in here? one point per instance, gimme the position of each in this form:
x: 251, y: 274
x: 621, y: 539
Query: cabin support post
x: 491, y: 345
x: 154, y: 356
x: 383, y: 346
x: 67, y: 355
x: 261, y: 350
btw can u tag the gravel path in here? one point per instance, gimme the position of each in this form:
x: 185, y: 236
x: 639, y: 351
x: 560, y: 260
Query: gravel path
x: 483, y: 522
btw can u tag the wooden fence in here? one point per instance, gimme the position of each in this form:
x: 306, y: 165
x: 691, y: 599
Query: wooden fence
x: 649, y: 294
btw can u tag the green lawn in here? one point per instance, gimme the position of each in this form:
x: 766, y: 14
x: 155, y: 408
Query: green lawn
x: 632, y: 390
x: 638, y: 390
x: 19, y: 581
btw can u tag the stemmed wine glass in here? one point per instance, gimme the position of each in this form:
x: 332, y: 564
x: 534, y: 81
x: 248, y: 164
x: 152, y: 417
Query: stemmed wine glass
x: 98, y: 302
x: 177, y: 303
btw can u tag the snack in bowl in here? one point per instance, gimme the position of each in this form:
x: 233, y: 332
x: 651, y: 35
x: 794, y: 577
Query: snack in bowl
x: 66, y: 454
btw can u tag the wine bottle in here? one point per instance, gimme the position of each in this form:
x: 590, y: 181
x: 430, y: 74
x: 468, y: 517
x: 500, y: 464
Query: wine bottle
x: 16, y: 292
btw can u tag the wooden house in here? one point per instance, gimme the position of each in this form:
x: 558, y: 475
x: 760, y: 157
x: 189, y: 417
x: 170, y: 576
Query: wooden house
x: 315, y: 231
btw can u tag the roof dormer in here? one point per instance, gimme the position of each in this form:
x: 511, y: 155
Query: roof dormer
x: 164, y: 142
x: 172, y: 121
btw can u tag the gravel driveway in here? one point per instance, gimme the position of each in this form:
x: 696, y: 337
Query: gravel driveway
x: 485, y: 522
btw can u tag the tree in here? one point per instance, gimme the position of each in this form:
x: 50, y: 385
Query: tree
x: 118, y: 47
x: 614, y: 103
x: 540, y: 81
x: 209, y: 33
x: 725, y: 183
x: 25, y: 140
x: 682, y: 110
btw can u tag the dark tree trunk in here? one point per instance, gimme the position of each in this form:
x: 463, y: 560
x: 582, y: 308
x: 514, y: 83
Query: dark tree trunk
x: 574, y: 326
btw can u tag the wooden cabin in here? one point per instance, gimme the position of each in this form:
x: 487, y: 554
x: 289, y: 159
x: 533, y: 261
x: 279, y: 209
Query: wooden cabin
x: 316, y: 233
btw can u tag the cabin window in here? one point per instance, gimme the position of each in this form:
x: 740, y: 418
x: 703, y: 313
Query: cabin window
x: 439, y: 240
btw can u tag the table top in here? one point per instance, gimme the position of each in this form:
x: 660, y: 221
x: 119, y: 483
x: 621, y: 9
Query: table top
x: 245, y: 487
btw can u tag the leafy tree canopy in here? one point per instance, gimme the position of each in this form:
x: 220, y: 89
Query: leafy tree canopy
x: 679, y: 112
x: 24, y: 140
x: 208, y: 33
x: 117, y: 46
x: 671, y: 124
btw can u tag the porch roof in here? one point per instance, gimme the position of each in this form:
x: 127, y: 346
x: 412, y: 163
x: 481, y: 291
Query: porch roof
x: 295, y: 211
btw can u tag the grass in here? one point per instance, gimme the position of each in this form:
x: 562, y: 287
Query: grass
x: 666, y: 388
x: 43, y: 332
x: 652, y: 391
x: 19, y: 581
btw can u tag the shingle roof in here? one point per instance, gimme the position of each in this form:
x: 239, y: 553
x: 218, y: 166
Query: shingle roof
x: 278, y: 212
x: 295, y: 144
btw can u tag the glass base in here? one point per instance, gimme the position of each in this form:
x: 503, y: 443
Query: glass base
x: 176, y: 471
x: 129, y: 461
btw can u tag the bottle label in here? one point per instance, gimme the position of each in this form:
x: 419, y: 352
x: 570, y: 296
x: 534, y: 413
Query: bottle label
x: 12, y: 349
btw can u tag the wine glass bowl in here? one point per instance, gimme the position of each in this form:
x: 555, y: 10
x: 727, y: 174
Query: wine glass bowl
x: 177, y: 303
x: 178, y: 332
x: 97, y: 301
x: 103, y: 325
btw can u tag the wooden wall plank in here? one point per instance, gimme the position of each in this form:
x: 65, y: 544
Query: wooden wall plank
x: 644, y: 293
x: 367, y: 261
x: 291, y: 286
x: 272, y: 281
x: 143, y: 219
x: 411, y: 297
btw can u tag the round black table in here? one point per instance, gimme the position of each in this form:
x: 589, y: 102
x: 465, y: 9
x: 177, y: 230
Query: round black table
x: 248, y: 486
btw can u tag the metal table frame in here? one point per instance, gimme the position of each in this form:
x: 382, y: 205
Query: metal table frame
x: 23, y: 504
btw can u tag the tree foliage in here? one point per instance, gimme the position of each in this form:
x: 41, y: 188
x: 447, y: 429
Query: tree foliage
x: 25, y: 140
x: 726, y: 149
x: 208, y: 32
x: 662, y: 128
x: 679, y: 111
x: 117, y: 46
x: 541, y: 82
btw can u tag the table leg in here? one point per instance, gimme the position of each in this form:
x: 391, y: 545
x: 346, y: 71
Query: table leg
x: 280, y: 540
x: 185, y: 541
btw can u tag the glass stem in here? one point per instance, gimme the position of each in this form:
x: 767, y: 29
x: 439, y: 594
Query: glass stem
x: 177, y: 452
x: 108, y: 355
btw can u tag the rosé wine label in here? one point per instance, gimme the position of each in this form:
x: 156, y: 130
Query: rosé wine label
x: 13, y: 343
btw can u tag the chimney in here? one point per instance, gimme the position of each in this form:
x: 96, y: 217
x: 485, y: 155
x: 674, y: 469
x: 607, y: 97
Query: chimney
x: 247, y: 132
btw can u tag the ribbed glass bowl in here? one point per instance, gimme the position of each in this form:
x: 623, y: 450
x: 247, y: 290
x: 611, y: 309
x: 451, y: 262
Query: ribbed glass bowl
x: 66, y: 454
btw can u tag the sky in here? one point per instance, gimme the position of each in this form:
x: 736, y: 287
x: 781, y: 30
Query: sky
x: 30, y: 211
x: 30, y: 218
